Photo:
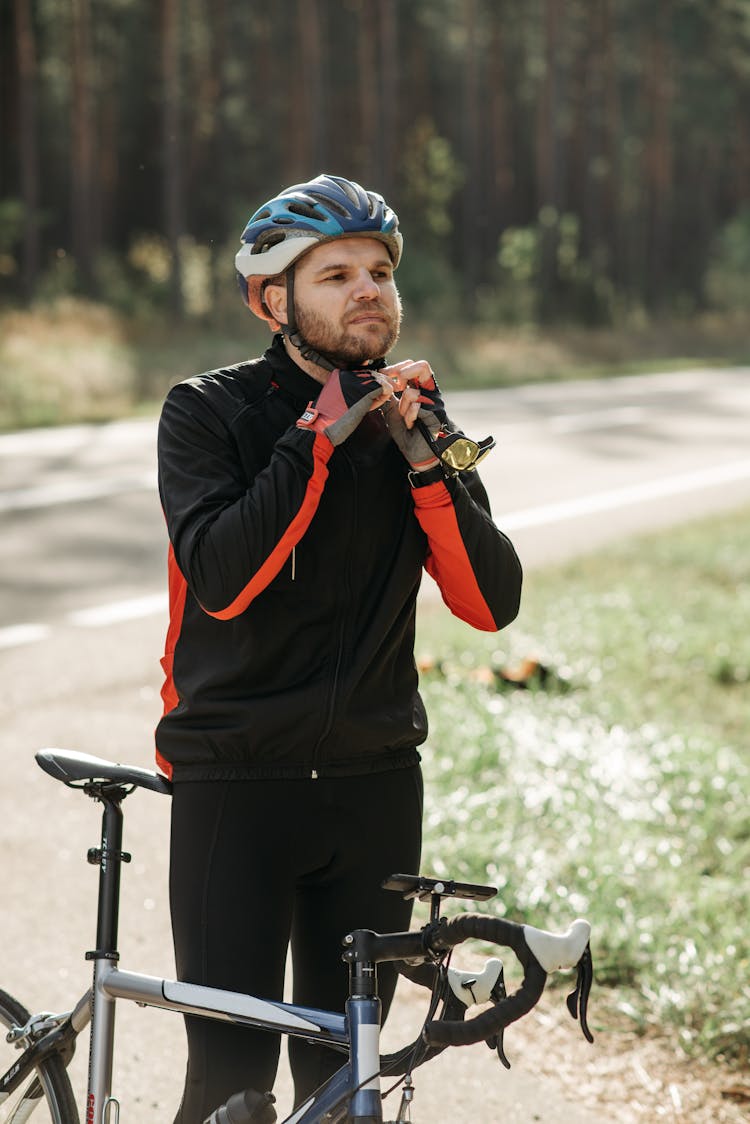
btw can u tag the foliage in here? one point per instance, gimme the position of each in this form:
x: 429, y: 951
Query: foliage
x: 66, y: 359
x: 728, y: 279
x: 431, y: 177
x: 615, y: 788
x: 610, y: 136
x: 71, y: 364
x: 582, y: 295
x: 11, y: 219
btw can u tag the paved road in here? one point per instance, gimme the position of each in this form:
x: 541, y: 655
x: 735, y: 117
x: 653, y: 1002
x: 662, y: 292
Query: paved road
x: 82, y: 622
x: 577, y: 464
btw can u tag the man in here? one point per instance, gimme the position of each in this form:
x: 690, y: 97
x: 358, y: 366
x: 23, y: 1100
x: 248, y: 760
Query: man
x: 304, y: 492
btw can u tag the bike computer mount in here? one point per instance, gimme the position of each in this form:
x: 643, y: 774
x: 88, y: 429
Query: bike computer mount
x: 433, y: 890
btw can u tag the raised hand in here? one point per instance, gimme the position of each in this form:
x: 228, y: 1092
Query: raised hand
x: 344, y: 400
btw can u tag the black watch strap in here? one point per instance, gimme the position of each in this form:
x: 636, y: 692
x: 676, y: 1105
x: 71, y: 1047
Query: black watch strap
x: 430, y: 476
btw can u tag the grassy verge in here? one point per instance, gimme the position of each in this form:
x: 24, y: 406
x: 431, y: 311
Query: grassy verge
x: 72, y: 360
x: 616, y: 787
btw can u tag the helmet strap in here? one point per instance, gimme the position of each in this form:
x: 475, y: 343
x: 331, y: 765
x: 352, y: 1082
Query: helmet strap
x: 295, y: 337
x: 293, y: 334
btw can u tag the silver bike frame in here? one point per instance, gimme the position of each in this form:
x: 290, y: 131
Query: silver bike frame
x: 112, y: 983
x: 358, y: 1031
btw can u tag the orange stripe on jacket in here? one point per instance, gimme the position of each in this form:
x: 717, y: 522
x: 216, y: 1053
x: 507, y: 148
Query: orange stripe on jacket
x: 322, y: 450
x: 177, y: 595
x: 448, y: 563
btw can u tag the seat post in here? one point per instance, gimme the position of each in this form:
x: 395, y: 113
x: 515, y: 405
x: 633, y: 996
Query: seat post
x: 109, y: 857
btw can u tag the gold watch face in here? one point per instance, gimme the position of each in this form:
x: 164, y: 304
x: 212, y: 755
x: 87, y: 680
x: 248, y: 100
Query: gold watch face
x: 461, y: 454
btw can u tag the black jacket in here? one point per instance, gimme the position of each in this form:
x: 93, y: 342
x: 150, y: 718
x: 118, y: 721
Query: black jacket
x: 293, y: 576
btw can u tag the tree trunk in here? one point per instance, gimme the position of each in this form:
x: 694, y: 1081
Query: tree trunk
x: 172, y: 181
x: 597, y: 113
x: 306, y: 109
x: 220, y: 155
x: 549, y: 160
x: 83, y: 200
x: 658, y: 156
x: 370, y: 147
x: 502, y: 176
x: 473, y: 215
x: 27, y: 145
x: 613, y: 237
x: 389, y: 96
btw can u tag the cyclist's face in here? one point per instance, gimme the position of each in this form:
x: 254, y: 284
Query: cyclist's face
x: 346, y: 301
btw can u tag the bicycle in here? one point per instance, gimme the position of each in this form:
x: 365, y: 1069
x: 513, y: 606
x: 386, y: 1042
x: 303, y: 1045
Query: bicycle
x: 37, y: 1082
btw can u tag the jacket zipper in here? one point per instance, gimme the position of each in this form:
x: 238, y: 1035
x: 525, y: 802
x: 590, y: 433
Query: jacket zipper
x: 341, y: 629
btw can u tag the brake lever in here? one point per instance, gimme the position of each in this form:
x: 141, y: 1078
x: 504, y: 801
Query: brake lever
x: 498, y: 993
x: 578, y: 1000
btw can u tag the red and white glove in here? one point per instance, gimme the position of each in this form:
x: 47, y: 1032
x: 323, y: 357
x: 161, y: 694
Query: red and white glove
x: 342, y: 403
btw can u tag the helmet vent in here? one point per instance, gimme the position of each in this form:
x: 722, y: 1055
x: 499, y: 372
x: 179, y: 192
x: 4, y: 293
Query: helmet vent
x: 265, y: 243
x: 347, y: 188
x: 330, y: 204
x: 303, y: 209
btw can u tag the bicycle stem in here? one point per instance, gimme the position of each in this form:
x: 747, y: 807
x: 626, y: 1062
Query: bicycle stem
x: 363, y: 1013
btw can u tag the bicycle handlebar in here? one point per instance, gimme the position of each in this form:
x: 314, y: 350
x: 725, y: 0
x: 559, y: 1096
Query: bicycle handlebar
x: 538, y: 952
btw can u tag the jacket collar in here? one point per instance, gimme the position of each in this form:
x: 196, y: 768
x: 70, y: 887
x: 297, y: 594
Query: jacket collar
x: 288, y: 376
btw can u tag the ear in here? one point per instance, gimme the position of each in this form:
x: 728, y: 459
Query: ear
x: 275, y: 300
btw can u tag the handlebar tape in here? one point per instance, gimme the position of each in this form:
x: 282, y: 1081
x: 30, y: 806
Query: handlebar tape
x: 495, y: 930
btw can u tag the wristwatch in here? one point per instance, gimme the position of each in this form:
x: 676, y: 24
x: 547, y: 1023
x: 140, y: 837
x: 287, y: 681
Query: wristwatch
x: 429, y: 476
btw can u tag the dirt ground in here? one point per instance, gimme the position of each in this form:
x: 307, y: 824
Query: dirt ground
x: 631, y: 1079
x: 556, y: 1077
x: 623, y: 1078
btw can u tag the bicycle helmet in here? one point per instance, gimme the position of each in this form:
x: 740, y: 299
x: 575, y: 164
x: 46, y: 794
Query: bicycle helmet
x: 296, y: 220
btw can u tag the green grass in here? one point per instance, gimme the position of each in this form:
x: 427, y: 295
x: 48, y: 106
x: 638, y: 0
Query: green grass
x: 619, y: 788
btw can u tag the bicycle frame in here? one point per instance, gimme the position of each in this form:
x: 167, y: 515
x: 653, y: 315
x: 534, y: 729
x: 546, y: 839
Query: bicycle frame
x: 353, y: 1092
x: 356, y: 1084
x: 111, y: 983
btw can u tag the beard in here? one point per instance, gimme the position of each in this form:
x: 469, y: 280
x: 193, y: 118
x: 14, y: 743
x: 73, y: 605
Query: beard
x: 351, y: 345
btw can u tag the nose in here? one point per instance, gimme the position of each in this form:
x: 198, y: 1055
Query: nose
x: 365, y: 288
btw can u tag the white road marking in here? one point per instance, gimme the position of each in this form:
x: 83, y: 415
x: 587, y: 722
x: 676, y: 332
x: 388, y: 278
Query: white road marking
x: 623, y: 497
x: 116, y: 611
x: 69, y: 438
x: 16, y: 634
x: 518, y: 431
x: 74, y: 491
x: 597, y: 419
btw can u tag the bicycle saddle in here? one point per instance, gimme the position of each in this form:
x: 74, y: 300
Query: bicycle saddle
x: 75, y: 769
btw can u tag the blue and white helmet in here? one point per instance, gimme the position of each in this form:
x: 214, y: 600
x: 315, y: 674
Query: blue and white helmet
x: 302, y: 216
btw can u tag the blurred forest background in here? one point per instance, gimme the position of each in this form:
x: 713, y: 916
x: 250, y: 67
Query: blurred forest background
x: 553, y: 162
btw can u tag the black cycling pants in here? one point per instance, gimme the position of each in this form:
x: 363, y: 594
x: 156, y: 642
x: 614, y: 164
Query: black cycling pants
x: 255, y: 864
